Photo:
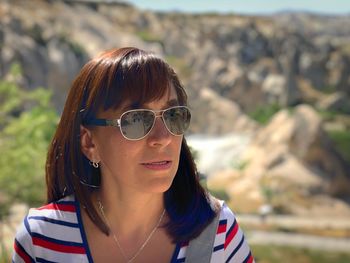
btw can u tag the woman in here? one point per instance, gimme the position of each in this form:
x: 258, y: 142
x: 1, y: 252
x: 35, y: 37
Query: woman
x: 121, y: 182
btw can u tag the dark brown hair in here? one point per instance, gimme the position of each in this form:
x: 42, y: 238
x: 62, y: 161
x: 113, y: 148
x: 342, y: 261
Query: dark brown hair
x: 104, y: 83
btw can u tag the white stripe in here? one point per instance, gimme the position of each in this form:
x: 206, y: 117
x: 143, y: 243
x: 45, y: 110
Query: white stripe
x: 16, y: 258
x: 241, y: 254
x: 24, y: 238
x: 229, y: 215
x: 55, y: 214
x: 234, y: 242
x: 56, y: 256
x: 220, y: 238
x: 55, y: 231
x: 67, y: 198
x: 244, y: 250
x: 219, y: 255
x: 182, y: 252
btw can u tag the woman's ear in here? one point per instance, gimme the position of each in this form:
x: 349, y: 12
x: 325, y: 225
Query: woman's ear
x: 87, y: 145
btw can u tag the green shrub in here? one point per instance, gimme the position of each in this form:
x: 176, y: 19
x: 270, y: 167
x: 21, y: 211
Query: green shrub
x: 147, y: 36
x: 5, y: 255
x: 328, y: 115
x: 329, y: 89
x: 263, y: 114
x: 180, y: 65
x: 26, y: 127
x: 341, y: 140
x: 240, y: 165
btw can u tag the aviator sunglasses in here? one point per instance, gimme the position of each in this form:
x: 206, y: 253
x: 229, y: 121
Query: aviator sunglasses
x: 137, y: 124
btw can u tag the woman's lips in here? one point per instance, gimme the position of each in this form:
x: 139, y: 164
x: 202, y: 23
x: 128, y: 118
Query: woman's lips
x: 161, y: 165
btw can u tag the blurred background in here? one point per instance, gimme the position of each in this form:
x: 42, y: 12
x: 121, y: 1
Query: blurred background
x: 268, y: 84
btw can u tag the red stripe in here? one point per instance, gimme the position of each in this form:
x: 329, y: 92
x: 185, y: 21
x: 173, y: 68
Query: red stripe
x: 21, y: 253
x: 250, y: 260
x: 58, y: 247
x: 184, y: 244
x: 231, y: 235
x: 61, y: 207
x: 221, y: 229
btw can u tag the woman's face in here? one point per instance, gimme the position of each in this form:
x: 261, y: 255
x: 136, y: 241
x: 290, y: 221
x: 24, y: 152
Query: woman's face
x: 147, y: 165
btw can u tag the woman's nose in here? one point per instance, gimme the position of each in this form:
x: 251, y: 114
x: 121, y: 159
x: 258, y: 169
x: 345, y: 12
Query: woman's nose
x: 159, y: 133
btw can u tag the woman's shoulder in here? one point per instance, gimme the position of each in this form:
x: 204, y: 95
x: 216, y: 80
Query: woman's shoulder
x: 222, y: 210
x: 229, y: 241
x: 226, y: 213
x: 230, y: 238
x: 64, y: 210
x: 66, y: 204
x: 45, y: 218
x: 226, y: 221
x: 49, y: 231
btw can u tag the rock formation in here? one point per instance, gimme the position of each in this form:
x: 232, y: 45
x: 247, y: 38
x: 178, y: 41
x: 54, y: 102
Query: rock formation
x: 231, y: 65
x: 291, y: 165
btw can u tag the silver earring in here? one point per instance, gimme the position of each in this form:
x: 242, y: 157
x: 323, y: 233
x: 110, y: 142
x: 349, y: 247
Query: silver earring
x: 95, y: 164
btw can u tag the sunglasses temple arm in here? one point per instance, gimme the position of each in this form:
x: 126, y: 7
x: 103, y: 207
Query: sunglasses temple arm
x: 104, y: 122
x: 114, y: 123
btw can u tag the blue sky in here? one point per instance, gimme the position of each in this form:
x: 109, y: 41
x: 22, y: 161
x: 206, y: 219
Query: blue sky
x: 246, y: 6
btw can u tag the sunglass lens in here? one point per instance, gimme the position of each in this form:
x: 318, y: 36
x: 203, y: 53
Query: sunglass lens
x: 136, y: 124
x: 177, y: 119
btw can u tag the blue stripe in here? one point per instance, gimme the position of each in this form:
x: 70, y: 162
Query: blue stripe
x: 82, y: 231
x: 65, y: 202
x: 246, y: 259
x: 57, y: 241
x: 235, y: 250
x: 231, y: 228
x: 175, y: 253
x: 222, y: 222
x: 54, y: 221
x: 218, y: 247
x: 26, y: 224
x: 23, y: 250
x: 41, y: 260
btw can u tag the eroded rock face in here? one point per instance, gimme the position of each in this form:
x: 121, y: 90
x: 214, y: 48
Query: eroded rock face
x: 302, y: 132
x: 230, y: 65
x: 52, y: 48
x: 249, y: 60
x: 280, y: 90
x: 292, y: 164
x: 337, y: 102
x: 214, y: 114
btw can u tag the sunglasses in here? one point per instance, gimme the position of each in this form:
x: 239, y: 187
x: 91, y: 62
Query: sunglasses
x: 137, y: 124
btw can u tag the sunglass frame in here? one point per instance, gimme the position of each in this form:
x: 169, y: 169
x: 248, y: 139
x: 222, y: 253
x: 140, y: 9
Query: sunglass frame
x: 117, y: 122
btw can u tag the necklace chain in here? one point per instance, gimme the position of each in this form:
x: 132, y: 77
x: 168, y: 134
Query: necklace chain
x: 128, y: 260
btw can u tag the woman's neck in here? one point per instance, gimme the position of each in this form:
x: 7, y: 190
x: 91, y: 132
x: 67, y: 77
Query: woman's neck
x: 130, y: 212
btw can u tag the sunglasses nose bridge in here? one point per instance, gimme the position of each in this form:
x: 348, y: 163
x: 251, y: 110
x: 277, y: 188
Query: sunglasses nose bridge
x: 160, y: 114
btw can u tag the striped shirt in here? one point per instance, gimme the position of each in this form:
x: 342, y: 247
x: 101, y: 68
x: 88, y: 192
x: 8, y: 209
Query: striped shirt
x: 55, y: 233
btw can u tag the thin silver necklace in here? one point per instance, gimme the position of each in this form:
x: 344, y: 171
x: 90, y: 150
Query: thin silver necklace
x: 128, y: 260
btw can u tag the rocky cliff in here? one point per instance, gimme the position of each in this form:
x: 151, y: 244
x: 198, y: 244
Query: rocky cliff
x: 284, y: 59
x: 231, y: 65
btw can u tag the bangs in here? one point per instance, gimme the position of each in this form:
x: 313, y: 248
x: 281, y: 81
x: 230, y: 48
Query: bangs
x: 130, y: 75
